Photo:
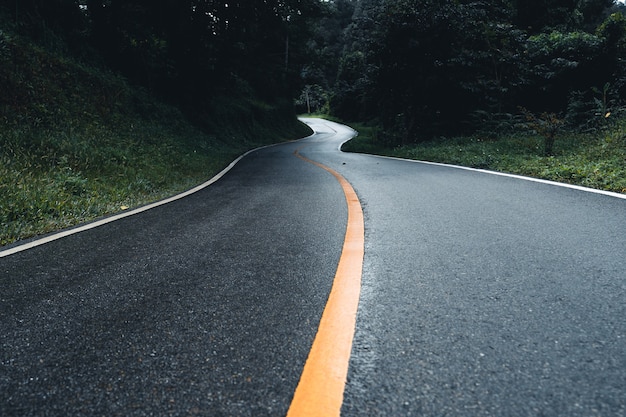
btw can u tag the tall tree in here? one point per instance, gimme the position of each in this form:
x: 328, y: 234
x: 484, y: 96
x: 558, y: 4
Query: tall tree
x: 435, y: 62
x: 198, y: 47
x: 425, y: 68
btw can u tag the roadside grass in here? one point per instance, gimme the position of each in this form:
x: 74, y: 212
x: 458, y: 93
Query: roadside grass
x: 57, y: 178
x: 78, y: 143
x: 595, y: 160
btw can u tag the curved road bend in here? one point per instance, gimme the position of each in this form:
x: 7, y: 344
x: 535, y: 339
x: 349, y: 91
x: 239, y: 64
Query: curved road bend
x: 481, y: 295
x: 205, y: 306
x: 484, y: 295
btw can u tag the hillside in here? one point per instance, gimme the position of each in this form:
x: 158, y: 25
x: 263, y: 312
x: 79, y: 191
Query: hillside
x: 79, y: 141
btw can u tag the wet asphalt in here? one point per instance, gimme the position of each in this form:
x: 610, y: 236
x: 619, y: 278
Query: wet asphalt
x: 482, y: 295
x: 204, y: 306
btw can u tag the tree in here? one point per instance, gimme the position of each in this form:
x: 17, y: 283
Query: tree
x: 424, y: 68
x: 561, y: 63
x: 489, y: 59
x: 46, y: 20
x: 438, y: 62
x: 189, y: 50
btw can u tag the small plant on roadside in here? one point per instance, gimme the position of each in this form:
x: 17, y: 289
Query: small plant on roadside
x: 547, y: 125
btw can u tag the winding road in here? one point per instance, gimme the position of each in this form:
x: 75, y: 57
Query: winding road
x: 478, y: 295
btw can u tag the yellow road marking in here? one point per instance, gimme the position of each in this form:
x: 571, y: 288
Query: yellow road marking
x: 321, y: 386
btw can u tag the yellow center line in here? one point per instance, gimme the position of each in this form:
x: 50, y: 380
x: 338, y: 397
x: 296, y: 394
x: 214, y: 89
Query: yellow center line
x: 323, y: 379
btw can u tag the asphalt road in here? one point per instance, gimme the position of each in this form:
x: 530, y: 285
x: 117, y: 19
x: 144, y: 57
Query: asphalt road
x: 481, y: 295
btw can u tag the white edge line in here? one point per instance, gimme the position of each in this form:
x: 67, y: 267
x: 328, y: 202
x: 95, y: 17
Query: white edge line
x: 97, y: 223
x: 519, y: 177
x: 484, y: 171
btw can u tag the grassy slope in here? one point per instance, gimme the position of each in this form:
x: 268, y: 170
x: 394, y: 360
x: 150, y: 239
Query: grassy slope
x: 77, y: 143
x: 593, y: 160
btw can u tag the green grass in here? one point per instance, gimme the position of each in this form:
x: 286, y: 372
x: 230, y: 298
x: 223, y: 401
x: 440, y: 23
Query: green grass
x: 595, y: 160
x: 51, y: 179
x: 78, y: 142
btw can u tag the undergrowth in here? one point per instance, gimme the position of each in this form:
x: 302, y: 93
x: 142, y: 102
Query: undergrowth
x: 596, y: 160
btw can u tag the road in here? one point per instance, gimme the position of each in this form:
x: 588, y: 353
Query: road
x: 481, y: 295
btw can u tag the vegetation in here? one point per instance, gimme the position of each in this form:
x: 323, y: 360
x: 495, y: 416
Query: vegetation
x: 81, y: 138
x: 536, y: 87
x: 592, y: 160
x: 422, y: 69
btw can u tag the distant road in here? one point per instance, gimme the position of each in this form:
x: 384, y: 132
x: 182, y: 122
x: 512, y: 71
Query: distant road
x: 482, y: 295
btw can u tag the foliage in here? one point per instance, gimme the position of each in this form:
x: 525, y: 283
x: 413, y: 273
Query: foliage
x: 313, y: 99
x: 562, y: 63
x: 591, y: 160
x: 421, y: 68
x: 183, y: 50
x: 424, y: 68
x: 547, y: 125
x: 536, y: 16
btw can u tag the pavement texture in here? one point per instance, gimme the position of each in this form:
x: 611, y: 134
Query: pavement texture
x: 482, y: 295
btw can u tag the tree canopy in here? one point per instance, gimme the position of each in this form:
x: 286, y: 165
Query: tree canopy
x: 183, y: 50
x: 420, y: 68
x: 424, y: 68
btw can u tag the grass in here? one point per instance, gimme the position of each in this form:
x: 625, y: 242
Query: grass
x: 596, y: 160
x: 78, y: 143
x: 52, y: 179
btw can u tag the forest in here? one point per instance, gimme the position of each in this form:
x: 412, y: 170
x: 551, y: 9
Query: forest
x: 183, y: 51
x: 423, y: 69
x: 418, y: 68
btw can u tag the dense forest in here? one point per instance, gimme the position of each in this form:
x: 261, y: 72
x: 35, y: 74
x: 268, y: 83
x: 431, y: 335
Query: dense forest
x: 418, y: 68
x: 183, y: 51
x: 423, y: 68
